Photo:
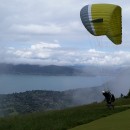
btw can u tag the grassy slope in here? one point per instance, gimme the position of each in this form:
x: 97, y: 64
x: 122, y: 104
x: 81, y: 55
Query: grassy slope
x: 62, y: 119
x: 119, y: 121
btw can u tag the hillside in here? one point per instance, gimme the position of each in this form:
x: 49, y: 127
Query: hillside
x: 43, y: 100
x: 118, y: 121
x: 32, y: 101
x: 55, y: 70
x: 62, y: 119
x: 41, y: 70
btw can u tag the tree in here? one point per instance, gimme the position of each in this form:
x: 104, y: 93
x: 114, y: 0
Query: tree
x: 128, y: 95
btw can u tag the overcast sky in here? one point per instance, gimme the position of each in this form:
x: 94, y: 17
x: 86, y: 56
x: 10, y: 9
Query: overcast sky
x: 50, y: 32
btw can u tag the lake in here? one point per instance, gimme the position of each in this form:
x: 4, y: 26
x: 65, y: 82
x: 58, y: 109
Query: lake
x: 19, y: 83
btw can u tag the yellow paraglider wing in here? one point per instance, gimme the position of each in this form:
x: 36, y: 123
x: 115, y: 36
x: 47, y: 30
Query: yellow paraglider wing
x: 103, y: 19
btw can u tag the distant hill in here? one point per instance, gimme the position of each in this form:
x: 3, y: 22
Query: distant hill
x: 41, y: 70
x: 42, y: 100
x: 58, y: 70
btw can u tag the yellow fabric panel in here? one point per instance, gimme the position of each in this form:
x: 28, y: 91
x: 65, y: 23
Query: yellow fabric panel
x: 111, y: 25
x: 115, y: 29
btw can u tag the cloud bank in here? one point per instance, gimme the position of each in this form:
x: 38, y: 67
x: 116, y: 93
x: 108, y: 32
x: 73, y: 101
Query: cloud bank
x: 53, y: 53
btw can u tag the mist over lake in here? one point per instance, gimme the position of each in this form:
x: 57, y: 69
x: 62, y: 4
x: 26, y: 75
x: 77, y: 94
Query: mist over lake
x: 10, y: 83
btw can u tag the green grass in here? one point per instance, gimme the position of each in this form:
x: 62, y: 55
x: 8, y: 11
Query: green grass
x: 119, y: 121
x: 61, y: 119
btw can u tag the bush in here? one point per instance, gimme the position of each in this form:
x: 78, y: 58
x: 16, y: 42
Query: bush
x: 128, y: 95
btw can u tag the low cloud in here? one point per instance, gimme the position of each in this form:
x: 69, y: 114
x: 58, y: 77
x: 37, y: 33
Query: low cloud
x: 44, y: 53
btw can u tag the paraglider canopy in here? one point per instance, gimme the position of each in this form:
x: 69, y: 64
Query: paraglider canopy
x: 103, y: 19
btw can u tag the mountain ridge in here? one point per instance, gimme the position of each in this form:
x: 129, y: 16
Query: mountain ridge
x: 44, y: 100
x: 55, y: 70
x: 41, y: 70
